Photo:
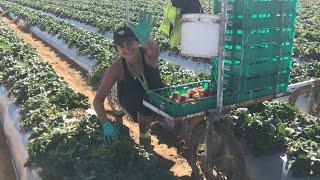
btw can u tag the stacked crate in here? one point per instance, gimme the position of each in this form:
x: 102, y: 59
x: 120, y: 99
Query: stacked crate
x: 259, y: 44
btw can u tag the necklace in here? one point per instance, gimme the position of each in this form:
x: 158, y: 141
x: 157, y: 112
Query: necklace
x: 142, y: 80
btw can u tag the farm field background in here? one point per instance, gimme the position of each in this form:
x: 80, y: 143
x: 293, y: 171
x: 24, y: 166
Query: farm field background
x: 46, y: 99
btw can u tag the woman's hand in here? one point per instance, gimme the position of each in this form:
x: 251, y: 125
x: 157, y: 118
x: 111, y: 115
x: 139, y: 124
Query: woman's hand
x: 144, y: 27
x: 110, y: 132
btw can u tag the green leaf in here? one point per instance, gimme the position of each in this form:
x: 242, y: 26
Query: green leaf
x: 281, y: 128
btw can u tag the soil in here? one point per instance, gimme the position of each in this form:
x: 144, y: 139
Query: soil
x: 169, y: 155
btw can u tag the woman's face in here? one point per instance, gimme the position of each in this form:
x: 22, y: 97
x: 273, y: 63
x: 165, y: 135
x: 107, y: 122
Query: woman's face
x: 128, y: 49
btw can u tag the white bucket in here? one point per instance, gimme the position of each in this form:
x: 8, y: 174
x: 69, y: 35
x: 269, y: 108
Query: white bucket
x: 200, y: 35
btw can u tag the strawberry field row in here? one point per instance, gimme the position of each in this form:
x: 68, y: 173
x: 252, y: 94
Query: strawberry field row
x: 107, y: 15
x: 92, y: 45
x: 307, y: 43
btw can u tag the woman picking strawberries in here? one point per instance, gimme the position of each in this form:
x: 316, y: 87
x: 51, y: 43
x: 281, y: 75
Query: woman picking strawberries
x: 135, y: 72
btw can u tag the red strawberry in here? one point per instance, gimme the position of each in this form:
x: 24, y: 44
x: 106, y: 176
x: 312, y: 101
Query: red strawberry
x: 192, y: 91
x: 175, y: 96
x: 183, y: 98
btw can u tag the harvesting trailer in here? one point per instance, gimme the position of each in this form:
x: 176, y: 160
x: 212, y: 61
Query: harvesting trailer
x: 252, y: 42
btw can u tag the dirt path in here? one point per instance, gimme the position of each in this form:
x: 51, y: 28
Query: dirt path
x: 6, y: 169
x: 75, y: 77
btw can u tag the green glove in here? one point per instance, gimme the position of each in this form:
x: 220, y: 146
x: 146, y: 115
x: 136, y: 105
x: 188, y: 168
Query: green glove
x: 144, y: 27
x: 110, y: 132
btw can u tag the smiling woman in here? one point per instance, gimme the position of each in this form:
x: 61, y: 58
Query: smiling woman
x: 135, y: 72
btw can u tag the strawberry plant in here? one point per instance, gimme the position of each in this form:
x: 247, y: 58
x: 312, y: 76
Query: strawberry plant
x: 277, y: 127
x: 305, y: 72
x: 77, y: 150
x: 307, y: 43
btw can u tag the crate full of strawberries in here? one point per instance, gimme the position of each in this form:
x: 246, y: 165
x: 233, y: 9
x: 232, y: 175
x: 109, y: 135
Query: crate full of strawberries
x: 186, y: 99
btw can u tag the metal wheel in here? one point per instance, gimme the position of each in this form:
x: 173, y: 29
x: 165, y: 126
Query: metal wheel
x: 227, y: 154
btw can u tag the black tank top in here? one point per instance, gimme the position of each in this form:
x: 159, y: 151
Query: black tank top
x: 131, y: 93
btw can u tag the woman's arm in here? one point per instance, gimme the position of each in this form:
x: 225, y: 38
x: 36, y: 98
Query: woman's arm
x: 110, y: 77
x: 152, y: 52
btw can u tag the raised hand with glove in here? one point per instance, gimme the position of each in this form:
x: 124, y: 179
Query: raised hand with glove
x: 144, y: 27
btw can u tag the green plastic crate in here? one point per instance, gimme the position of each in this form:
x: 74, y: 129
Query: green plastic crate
x: 246, y: 36
x: 261, y: 20
x: 174, y: 109
x: 158, y: 99
x: 257, y: 6
x: 254, y: 68
x: 248, y: 83
x: 258, y: 52
x: 258, y: 93
x: 262, y: 81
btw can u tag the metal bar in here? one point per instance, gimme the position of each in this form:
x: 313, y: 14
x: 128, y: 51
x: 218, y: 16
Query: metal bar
x: 127, y: 12
x: 191, y: 20
x: 268, y: 98
x: 192, y: 151
x: 209, y: 121
x: 209, y: 148
x: 223, y: 27
x: 312, y: 97
x: 167, y: 116
x: 247, y: 103
x: 292, y: 87
x: 156, y: 110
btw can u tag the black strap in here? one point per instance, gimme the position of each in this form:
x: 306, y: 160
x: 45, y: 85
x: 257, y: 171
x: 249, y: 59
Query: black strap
x: 125, y: 66
x: 126, y: 70
x: 144, y: 63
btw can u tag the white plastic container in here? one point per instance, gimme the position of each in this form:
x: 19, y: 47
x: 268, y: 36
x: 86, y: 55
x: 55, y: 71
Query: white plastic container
x: 200, y: 35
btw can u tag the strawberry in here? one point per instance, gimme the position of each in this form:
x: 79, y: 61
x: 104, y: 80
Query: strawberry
x: 175, y: 95
x: 197, y: 96
x: 192, y: 91
x: 183, y: 98
x: 200, y: 90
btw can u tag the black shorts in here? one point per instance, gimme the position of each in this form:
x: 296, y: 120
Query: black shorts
x: 134, y: 104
